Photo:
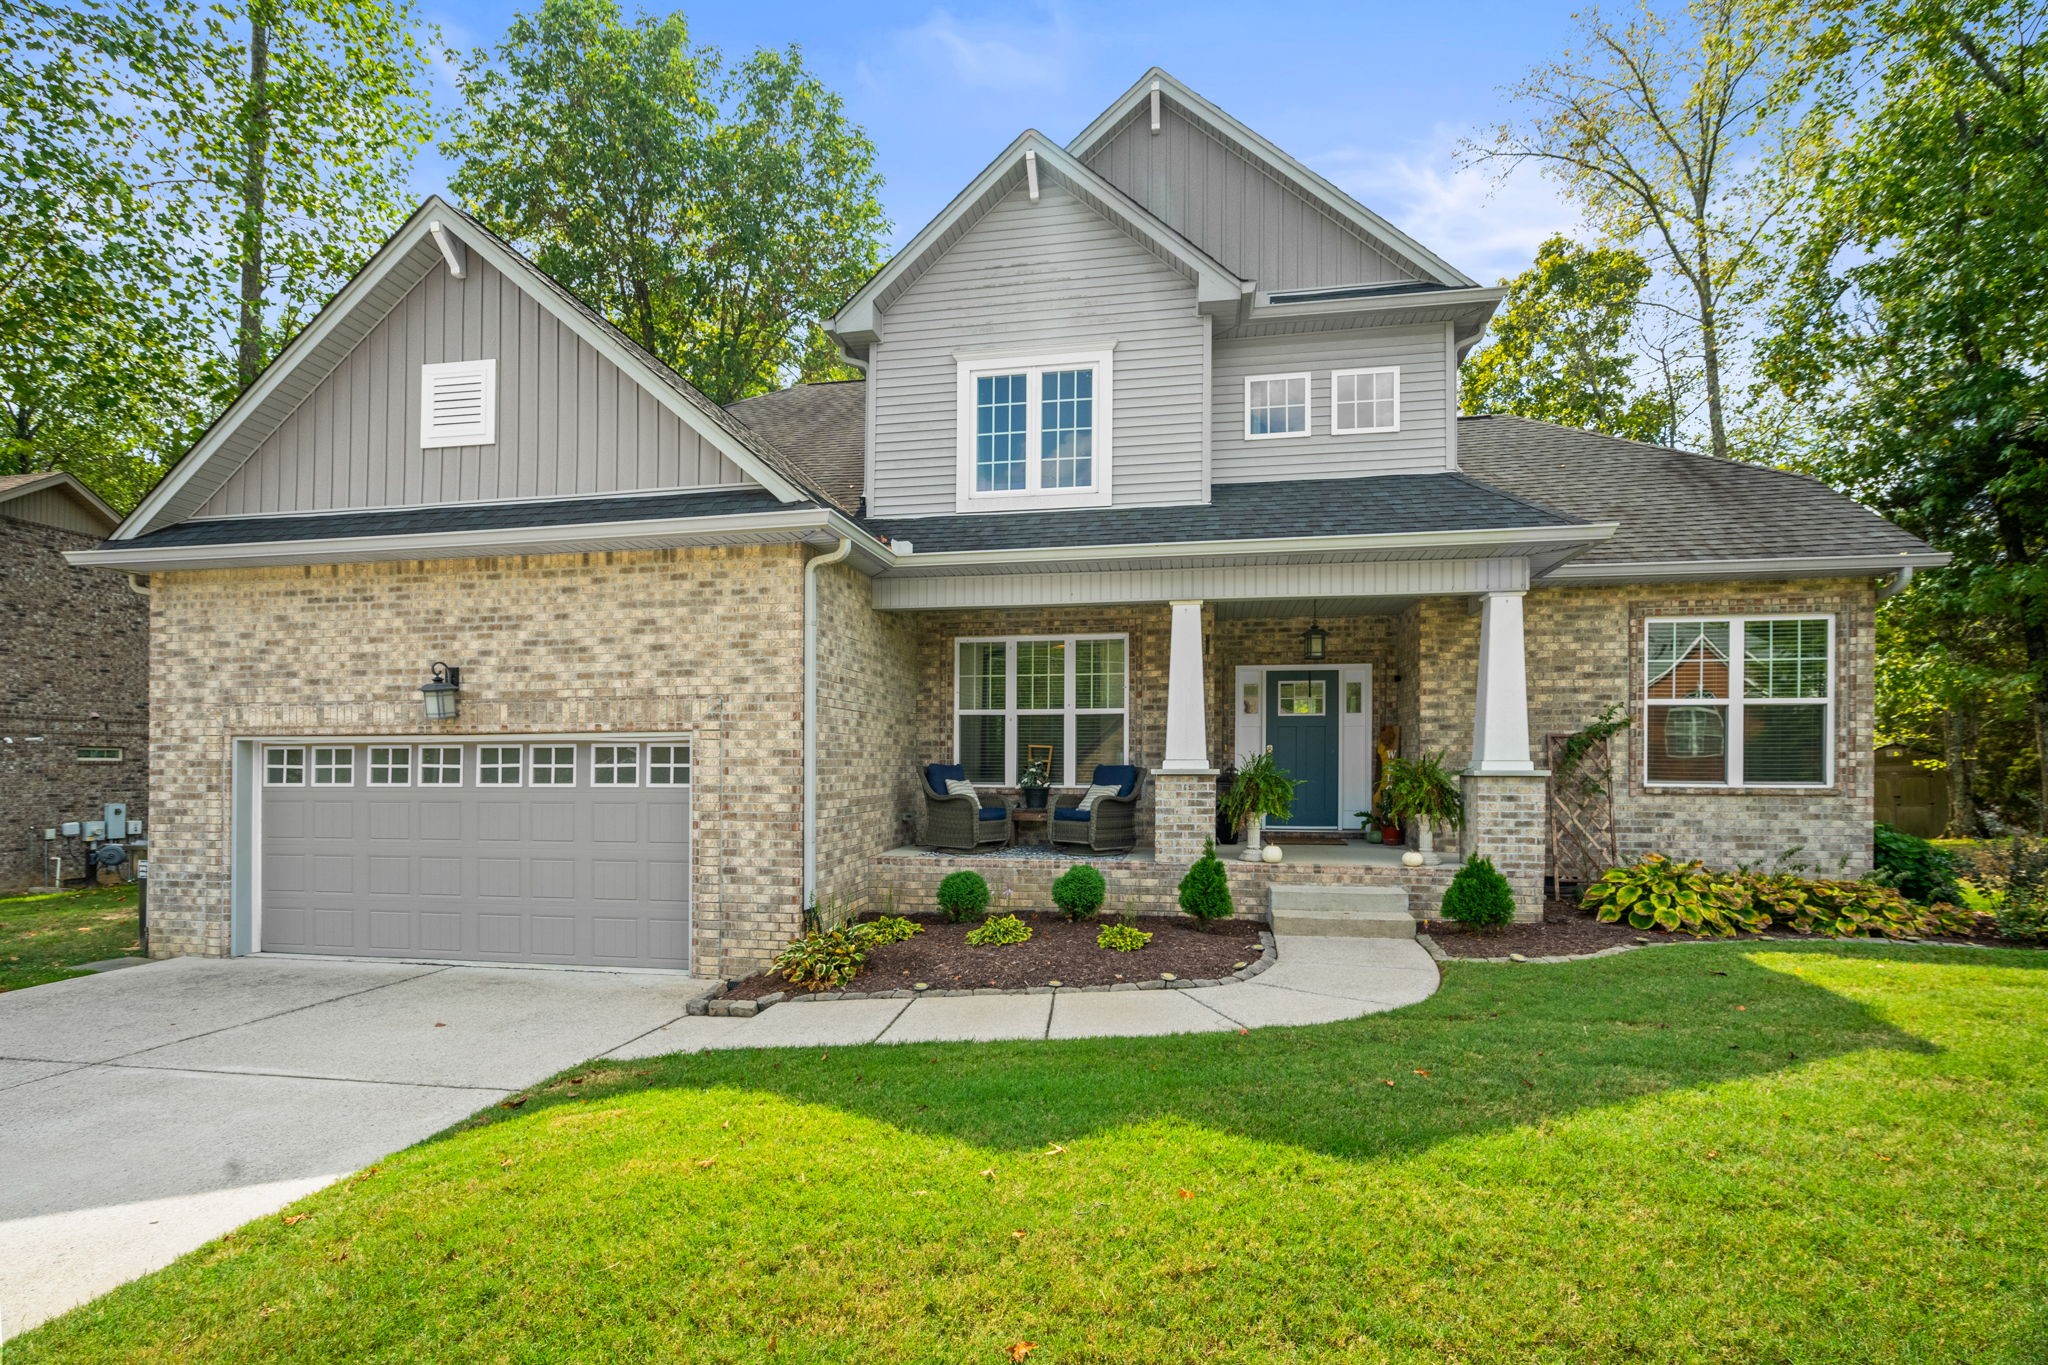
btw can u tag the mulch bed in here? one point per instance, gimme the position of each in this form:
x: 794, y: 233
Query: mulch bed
x: 1568, y: 931
x: 1056, y: 951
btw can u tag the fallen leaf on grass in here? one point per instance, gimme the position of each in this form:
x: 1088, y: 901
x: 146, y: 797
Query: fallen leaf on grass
x: 1422, y: 1073
x: 289, y: 1219
x: 1056, y: 1150
x: 1187, y: 1194
x: 513, y: 1103
x: 1020, y: 1234
x: 1743, y: 1008
x: 989, y: 1174
x: 1386, y: 1083
x: 1020, y: 1349
x: 709, y: 1161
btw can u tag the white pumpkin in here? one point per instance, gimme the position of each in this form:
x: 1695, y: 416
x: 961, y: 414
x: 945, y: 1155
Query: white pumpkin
x: 1272, y: 853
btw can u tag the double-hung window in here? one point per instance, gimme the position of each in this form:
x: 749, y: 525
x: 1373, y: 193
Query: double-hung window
x: 1034, y: 432
x: 1275, y: 405
x: 1059, y: 701
x: 1739, y: 701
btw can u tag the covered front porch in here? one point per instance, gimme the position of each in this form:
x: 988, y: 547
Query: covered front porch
x: 1332, y: 680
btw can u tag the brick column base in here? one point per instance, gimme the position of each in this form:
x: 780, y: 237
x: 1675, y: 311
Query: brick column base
x: 1506, y: 820
x: 1183, y: 815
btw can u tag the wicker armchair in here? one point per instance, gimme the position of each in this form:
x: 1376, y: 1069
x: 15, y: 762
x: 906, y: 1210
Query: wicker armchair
x: 958, y: 821
x: 1112, y: 826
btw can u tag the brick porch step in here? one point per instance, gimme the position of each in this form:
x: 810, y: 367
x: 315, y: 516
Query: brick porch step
x: 1341, y: 911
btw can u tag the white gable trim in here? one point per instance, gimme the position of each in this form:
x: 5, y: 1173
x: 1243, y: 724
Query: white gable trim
x: 64, y: 482
x: 858, y: 324
x: 1252, y: 145
x: 416, y: 250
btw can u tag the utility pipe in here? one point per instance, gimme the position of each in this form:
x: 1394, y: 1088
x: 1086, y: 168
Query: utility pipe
x: 844, y: 548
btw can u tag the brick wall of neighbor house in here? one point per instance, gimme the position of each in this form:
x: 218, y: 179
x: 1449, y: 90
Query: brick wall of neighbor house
x: 73, y: 642
x: 1150, y: 631
x: 707, y: 642
x: 867, y: 735
x: 1585, y: 650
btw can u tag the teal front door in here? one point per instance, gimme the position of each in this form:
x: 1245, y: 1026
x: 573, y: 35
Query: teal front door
x: 1301, y: 727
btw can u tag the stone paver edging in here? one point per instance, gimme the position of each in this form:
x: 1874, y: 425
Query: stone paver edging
x: 1304, y: 980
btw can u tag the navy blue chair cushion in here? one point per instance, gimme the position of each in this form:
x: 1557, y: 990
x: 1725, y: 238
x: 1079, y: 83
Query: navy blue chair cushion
x: 1124, y: 775
x: 1071, y: 813
x: 994, y: 812
x: 937, y: 775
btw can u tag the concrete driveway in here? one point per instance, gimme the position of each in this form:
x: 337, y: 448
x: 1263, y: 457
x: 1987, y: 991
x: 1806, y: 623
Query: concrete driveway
x: 148, y: 1110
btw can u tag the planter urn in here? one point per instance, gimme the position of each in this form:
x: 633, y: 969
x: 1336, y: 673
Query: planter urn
x: 1252, y: 853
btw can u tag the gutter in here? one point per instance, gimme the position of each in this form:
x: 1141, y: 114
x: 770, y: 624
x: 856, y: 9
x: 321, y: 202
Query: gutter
x: 1789, y: 566
x: 811, y: 567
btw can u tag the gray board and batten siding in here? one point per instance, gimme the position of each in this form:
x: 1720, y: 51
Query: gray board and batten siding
x: 1252, y: 222
x: 569, y: 422
x: 1046, y: 277
x: 1423, y: 445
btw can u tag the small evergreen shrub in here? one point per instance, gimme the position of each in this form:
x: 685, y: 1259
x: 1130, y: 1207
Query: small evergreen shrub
x: 999, y: 932
x: 1478, y: 896
x: 890, y: 929
x: 823, y: 960
x: 1923, y: 873
x: 1122, y: 938
x: 963, y: 896
x: 1205, y: 890
x: 1079, y: 892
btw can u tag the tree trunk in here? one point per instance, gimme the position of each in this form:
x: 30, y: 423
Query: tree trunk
x: 1958, y: 739
x: 1710, y: 368
x: 255, y: 184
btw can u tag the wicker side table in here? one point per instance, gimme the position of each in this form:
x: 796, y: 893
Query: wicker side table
x: 1031, y: 823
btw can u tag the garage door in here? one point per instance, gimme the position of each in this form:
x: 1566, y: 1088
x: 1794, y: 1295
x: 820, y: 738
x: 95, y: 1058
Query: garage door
x: 511, y: 851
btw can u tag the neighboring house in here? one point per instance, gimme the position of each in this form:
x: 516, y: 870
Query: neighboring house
x: 1142, y: 413
x: 74, y: 678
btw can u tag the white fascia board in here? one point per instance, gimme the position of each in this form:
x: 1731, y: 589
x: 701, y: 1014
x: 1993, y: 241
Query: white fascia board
x: 857, y: 324
x: 1249, y: 140
x: 1381, y: 310
x: 1788, y: 566
x: 797, y: 524
x: 1388, y: 580
x: 1087, y: 558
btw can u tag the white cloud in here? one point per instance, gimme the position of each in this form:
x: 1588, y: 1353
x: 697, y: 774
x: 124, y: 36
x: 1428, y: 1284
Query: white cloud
x: 994, y: 54
x: 1486, y: 228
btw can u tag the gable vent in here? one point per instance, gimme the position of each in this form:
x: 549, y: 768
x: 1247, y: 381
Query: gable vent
x: 458, y: 404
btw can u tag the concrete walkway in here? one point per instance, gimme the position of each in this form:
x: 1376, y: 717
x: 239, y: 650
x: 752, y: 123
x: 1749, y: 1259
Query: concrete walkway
x: 1315, y: 981
x: 146, y: 1111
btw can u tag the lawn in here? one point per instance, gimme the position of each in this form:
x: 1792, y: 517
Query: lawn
x: 1735, y: 1152
x: 46, y: 938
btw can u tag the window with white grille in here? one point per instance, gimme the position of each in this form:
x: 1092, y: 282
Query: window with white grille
x: 458, y: 404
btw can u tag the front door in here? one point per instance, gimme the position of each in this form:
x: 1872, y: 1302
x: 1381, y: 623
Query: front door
x: 1301, y: 727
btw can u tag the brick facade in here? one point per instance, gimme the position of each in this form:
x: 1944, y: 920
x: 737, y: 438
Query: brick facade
x: 74, y: 673
x: 1184, y: 815
x: 704, y: 642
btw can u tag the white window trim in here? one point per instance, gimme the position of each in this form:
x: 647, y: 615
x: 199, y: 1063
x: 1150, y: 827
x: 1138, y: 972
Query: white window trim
x: 420, y: 767
x: 313, y: 764
x: 966, y: 498
x: 1010, y: 712
x: 687, y: 765
x: 1308, y: 407
x: 370, y: 765
x: 519, y: 749
x: 1335, y: 375
x: 614, y: 786
x: 1734, y: 705
x: 97, y: 753
x: 533, y: 765
x: 480, y: 433
x: 304, y: 767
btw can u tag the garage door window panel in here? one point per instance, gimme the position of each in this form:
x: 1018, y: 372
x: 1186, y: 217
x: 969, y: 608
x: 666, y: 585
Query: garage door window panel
x: 284, y: 767
x: 668, y: 765
x: 551, y: 765
x: 334, y: 766
x: 615, y: 765
x: 440, y: 766
x: 390, y: 766
x: 500, y: 765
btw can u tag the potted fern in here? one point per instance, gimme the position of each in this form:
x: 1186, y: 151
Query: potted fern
x: 1262, y: 791
x: 1424, y: 791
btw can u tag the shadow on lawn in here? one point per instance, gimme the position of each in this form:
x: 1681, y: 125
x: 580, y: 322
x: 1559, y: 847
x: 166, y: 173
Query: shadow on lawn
x: 1495, y: 1048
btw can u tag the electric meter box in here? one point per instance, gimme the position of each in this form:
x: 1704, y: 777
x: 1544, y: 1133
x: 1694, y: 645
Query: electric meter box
x: 116, y: 814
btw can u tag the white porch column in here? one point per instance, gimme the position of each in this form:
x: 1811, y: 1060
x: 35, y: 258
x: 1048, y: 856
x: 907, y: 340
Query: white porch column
x: 1187, y: 721
x: 1500, y: 719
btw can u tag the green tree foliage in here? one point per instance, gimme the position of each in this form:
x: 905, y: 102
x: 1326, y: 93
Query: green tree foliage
x: 1652, y: 126
x: 1916, y: 319
x: 715, y: 216
x: 1557, y: 349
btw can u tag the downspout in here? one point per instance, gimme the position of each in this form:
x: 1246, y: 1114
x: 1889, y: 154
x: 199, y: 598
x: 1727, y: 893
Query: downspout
x: 1899, y: 583
x: 844, y: 548
x: 138, y: 583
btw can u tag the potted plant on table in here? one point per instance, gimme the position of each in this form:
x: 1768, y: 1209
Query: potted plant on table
x: 1033, y: 782
x: 1424, y: 791
x: 1262, y: 791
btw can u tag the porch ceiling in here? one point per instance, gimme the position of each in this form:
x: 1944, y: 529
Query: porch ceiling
x: 1283, y: 607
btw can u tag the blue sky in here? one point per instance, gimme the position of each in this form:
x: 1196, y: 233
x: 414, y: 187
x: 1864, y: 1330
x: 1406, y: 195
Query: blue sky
x: 1373, y: 95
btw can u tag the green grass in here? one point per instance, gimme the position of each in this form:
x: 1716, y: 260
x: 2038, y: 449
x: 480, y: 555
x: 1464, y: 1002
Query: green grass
x: 45, y: 938
x: 1737, y: 1152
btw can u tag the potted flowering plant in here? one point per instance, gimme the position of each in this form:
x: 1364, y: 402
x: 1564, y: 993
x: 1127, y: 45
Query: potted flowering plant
x: 1033, y: 782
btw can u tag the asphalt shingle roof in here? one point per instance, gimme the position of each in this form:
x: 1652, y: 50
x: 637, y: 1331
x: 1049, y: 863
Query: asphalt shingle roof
x: 1671, y: 504
x: 478, y: 517
x: 819, y: 426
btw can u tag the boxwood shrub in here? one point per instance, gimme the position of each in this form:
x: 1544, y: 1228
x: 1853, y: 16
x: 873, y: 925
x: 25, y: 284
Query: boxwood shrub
x: 963, y: 896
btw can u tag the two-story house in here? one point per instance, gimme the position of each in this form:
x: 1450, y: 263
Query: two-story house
x: 1156, y: 461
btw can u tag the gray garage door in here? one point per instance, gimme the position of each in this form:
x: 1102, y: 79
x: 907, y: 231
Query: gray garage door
x: 512, y: 851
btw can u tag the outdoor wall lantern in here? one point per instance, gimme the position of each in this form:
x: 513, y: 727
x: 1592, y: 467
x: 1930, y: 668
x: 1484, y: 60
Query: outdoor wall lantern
x: 441, y: 692
x: 1314, y: 640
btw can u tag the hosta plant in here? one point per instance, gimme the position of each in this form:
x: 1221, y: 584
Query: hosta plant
x: 1658, y: 893
x: 1807, y: 905
x: 995, y: 933
x: 890, y: 929
x: 1122, y: 938
x: 820, y: 961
